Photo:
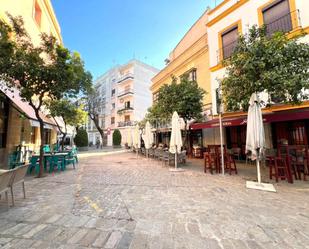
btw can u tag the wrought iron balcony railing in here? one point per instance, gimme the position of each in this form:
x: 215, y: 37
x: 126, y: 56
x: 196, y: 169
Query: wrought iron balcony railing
x: 128, y: 76
x: 127, y: 123
x: 125, y: 93
x: 125, y: 109
x: 285, y: 23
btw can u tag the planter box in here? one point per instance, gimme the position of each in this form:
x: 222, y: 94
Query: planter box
x: 82, y: 148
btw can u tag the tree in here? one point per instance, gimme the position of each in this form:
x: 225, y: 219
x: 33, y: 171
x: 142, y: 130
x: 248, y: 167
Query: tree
x: 94, y: 105
x: 116, y: 137
x: 273, y: 64
x: 185, y: 97
x: 81, y: 138
x: 43, y: 73
x: 69, y: 112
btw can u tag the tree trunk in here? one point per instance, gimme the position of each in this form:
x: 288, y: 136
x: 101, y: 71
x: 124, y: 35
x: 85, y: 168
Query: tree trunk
x: 187, y: 140
x: 96, y: 123
x: 64, y: 134
x: 41, y: 172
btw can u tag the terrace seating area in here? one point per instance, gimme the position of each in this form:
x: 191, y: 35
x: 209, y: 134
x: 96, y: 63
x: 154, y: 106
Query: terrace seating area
x: 162, y: 155
x: 54, y: 158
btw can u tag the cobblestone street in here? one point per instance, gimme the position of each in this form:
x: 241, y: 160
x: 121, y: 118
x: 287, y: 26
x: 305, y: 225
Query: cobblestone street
x: 119, y: 201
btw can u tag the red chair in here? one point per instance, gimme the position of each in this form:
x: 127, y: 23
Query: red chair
x: 281, y: 169
x: 210, y: 162
x: 230, y: 164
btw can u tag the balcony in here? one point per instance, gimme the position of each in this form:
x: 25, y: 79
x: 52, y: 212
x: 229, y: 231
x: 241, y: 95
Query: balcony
x: 125, y: 78
x: 226, y: 51
x: 125, y: 109
x: 125, y: 93
x: 285, y: 23
x: 127, y: 123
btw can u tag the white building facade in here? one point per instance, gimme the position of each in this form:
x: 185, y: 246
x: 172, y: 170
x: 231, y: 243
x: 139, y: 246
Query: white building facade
x: 225, y: 23
x: 124, y: 97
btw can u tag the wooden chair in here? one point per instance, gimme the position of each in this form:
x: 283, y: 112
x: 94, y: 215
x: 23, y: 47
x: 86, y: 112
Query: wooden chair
x: 210, y: 162
x: 281, y: 169
x: 230, y: 164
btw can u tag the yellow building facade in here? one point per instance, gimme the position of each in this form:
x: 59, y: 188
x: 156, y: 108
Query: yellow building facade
x: 18, y: 125
x: 189, y: 56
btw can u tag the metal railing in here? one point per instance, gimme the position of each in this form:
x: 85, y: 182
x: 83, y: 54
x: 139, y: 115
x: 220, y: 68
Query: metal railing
x: 128, y: 76
x: 125, y: 92
x: 127, y: 123
x: 124, y: 109
x: 285, y: 23
x: 226, y: 51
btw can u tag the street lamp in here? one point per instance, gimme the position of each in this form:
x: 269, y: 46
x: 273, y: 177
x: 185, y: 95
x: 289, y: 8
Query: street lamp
x: 219, y: 111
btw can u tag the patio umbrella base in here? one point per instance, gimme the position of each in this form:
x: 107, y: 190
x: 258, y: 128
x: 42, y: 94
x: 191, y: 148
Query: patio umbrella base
x: 176, y: 170
x: 260, y: 186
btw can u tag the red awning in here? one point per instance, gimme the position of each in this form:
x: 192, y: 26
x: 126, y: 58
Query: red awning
x: 23, y: 106
x: 267, y: 118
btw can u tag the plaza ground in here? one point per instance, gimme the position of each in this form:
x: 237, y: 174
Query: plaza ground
x: 115, y: 200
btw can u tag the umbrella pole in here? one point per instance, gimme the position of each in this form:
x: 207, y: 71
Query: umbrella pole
x: 258, y: 167
x: 221, y: 142
x: 176, y: 158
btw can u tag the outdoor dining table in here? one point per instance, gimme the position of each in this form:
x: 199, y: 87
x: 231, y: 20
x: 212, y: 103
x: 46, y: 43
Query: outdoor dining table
x: 48, y: 155
x: 2, y: 171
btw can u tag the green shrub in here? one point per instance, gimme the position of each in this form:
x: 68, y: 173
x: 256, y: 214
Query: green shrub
x: 81, y: 138
x: 116, y: 138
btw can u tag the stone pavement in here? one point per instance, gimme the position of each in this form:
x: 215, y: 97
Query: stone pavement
x: 119, y: 201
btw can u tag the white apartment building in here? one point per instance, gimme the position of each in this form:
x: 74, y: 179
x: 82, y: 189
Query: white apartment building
x: 124, y: 97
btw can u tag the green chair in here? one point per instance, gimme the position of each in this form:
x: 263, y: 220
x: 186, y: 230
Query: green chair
x: 34, y: 164
x: 46, y: 148
x: 70, y: 159
x: 56, y: 148
x: 74, y: 151
x: 56, y: 162
x: 14, y: 160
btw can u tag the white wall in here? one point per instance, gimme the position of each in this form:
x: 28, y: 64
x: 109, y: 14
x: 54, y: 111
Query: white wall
x: 248, y: 14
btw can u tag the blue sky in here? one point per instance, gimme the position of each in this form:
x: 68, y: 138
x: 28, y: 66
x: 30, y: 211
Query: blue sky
x: 110, y: 32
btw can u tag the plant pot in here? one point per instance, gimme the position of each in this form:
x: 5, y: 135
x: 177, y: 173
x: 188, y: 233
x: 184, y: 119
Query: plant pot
x: 83, y: 148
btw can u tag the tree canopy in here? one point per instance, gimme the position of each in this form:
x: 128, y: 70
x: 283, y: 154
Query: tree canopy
x: 274, y: 64
x: 185, y: 97
x: 40, y: 73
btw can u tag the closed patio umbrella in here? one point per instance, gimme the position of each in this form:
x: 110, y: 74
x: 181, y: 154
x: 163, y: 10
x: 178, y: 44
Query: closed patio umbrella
x: 136, y: 138
x: 255, y: 141
x: 176, y: 138
x: 129, y: 137
x: 148, y: 136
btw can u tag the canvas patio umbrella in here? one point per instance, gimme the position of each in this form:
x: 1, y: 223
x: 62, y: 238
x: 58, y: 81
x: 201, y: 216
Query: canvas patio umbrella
x: 136, y: 138
x: 148, y: 137
x: 129, y: 137
x: 176, y: 138
x: 255, y: 141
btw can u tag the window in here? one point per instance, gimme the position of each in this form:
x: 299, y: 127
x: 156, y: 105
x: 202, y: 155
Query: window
x: 277, y: 17
x: 127, y: 118
x: 191, y: 74
x: 127, y: 105
x: 37, y: 13
x: 4, y: 112
x: 113, y: 106
x: 155, y: 96
x: 229, y: 41
x: 113, y: 92
x: 47, y: 134
x: 33, y: 130
x: 112, y: 120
